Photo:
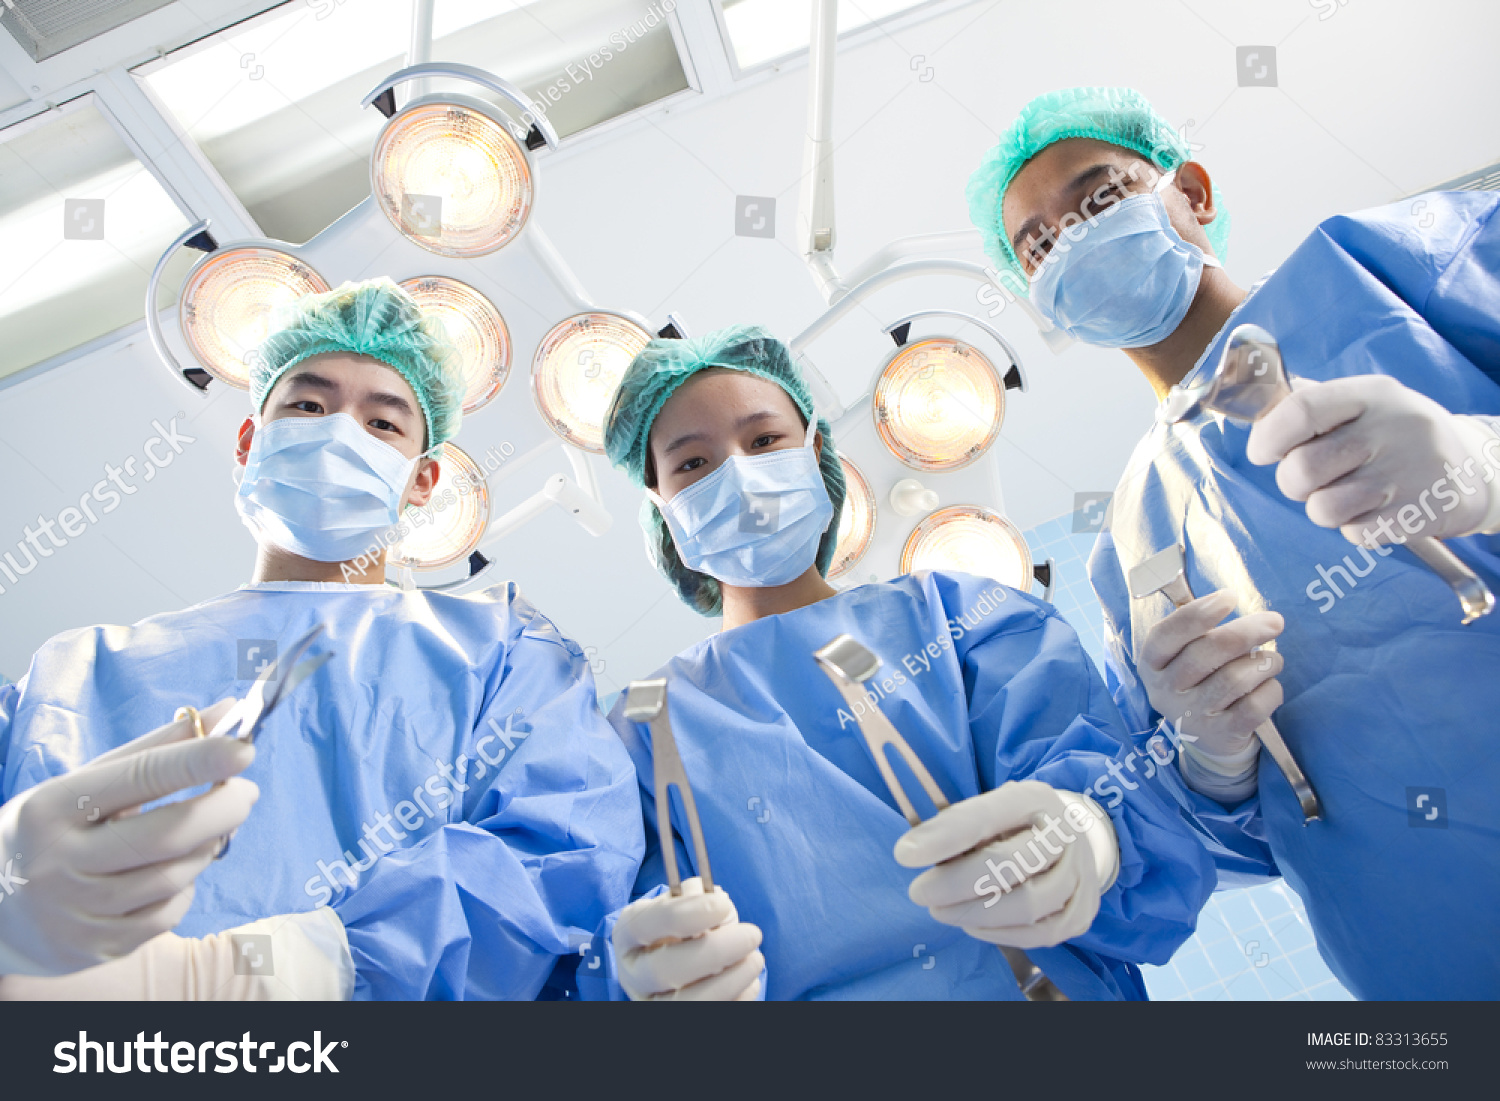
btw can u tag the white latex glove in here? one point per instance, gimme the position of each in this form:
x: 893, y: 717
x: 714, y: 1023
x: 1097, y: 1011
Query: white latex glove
x: 1211, y: 679
x: 1060, y: 846
x: 81, y: 886
x: 689, y: 948
x: 293, y: 957
x: 1358, y: 450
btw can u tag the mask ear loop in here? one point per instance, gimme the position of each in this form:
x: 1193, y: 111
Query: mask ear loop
x: 1209, y: 260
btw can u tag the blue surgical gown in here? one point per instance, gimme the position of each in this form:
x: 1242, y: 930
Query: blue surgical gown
x: 1388, y: 698
x: 447, y: 782
x: 987, y: 685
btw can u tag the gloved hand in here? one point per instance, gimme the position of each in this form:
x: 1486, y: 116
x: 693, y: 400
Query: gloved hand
x: 87, y: 879
x: 1360, y: 449
x: 1211, y: 679
x: 1024, y: 865
x: 292, y: 957
x: 689, y: 948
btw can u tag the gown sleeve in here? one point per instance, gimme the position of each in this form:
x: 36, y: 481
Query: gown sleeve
x: 542, y: 841
x: 1441, y: 254
x: 10, y: 694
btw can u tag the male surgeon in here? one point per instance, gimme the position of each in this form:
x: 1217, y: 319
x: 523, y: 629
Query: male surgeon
x: 1391, y: 321
x: 443, y: 812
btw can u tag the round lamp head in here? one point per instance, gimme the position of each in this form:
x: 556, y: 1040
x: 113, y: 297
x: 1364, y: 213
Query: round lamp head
x: 453, y: 521
x: 970, y: 539
x: 938, y: 405
x: 577, y: 370
x: 229, y: 301
x: 856, y: 522
x: 475, y: 329
x: 451, y: 178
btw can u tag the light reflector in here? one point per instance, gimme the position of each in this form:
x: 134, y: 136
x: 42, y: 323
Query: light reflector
x: 856, y: 522
x: 229, y: 301
x: 938, y: 404
x: 474, y: 327
x: 451, y: 178
x: 577, y: 370
x: 970, y: 539
x: 452, y: 522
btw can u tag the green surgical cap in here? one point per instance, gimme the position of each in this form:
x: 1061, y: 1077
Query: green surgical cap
x: 1120, y: 116
x: 652, y: 378
x: 374, y: 318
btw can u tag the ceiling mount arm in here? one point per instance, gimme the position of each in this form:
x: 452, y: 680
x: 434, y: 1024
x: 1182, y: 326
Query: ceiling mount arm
x: 815, y: 214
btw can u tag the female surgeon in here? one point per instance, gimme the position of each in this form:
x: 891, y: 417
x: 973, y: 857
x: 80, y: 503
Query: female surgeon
x: 989, y: 686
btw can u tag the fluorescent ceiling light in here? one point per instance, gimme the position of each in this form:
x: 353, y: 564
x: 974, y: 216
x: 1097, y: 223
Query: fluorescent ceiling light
x: 274, y: 103
x: 765, y: 30
x: 83, y: 223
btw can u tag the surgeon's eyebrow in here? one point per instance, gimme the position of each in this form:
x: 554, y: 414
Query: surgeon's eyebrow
x: 312, y: 379
x: 692, y: 437
x: 1079, y: 183
x: 389, y: 400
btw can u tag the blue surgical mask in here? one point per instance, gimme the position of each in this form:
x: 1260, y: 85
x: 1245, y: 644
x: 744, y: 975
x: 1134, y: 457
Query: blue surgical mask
x: 1128, y: 282
x: 757, y: 520
x: 321, y: 487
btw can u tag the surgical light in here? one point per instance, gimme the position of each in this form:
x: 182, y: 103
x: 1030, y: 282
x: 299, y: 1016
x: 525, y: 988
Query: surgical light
x: 938, y: 404
x: 856, y: 522
x: 448, y: 174
x: 229, y: 301
x: 452, y: 522
x: 475, y: 329
x: 577, y: 369
x: 970, y: 539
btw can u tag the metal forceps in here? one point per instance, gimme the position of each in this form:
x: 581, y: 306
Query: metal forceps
x: 1251, y: 380
x: 1165, y: 572
x: 849, y: 663
x: 646, y: 702
x: 244, y: 719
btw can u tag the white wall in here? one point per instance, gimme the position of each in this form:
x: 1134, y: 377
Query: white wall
x: 1374, y: 102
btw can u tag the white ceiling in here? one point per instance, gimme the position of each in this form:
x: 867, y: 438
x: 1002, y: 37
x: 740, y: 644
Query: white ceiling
x: 1376, y: 101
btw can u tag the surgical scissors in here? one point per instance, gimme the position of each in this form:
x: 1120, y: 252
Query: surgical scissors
x: 646, y: 702
x: 849, y: 663
x: 244, y: 719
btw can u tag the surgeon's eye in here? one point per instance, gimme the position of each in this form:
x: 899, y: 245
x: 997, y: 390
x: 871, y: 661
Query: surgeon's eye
x: 765, y: 440
x: 691, y: 465
x: 383, y: 426
x: 1037, y: 251
x: 306, y: 405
